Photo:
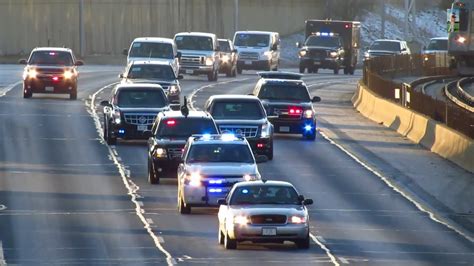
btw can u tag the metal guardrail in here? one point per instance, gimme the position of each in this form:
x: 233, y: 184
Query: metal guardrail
x: 462, y: 93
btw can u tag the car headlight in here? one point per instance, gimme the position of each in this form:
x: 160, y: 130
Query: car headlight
x: 250, y: 177
x: 159, y: 153
x: 226, y: 58
x: 173, y: 89
x: 68, y: 74
x: 302, y: 53
x: 116, y: 117
x: 209, y: 61
x: 194, y: 179
x: 308, y: 113
x: 241, y: 220
x: 366, y: 55
x: 333, y: 54
x: 30, y: 73
x: 266, y: 131
x: 295, y: 219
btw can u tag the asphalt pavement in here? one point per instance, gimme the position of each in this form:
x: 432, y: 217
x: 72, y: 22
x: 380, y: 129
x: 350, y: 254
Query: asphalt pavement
x: 68, y: 198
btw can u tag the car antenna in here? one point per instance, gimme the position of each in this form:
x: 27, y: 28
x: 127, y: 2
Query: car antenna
x: 184, y: 108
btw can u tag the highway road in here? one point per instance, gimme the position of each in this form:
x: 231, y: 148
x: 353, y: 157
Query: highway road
x: 68, y: 198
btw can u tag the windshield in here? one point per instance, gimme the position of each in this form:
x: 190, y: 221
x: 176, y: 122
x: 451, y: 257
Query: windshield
x: 158, y: 72
x: 152, y: 50
x: 439, y: 45
x: 185, y: 127
x: 322, y: 41
x: 252, y: 40
x: 385, y: 45
x: 224, y: 46
x: 51, y: 58
x: 141, y: 98
x: 220, y: 153
x: 264, y: 194
x: 237, y: 110
x: 199, y: 43
x: 284, y: 92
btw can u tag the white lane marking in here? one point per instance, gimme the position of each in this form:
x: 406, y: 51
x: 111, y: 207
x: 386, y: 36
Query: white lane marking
x: 150, y: 221
x: 8, y: 88
x: 343, y: 260
x: 321, y: 239
x: 129, y: 185
x: 191, y: 96
x: 323, y: 247
x: 2, y: 257
x: 397, y: 189
x: 140, y: 203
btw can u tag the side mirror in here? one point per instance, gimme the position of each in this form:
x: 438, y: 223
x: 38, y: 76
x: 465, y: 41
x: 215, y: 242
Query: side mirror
x: 261, y: 159
x: 105, y: 104
x: 125, y: 51
x: 307, y: 202
x: 79, y: 63
x: 180, y: 76
x: 22, y: 61
x: 221, y: 202
x: 316, y: 99
x: 121, y: 75
x: 178, y: 55
x: 299, y: 45
x: 300, y: 198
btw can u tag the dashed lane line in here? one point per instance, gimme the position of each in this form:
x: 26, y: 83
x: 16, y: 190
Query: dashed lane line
x: 8, y: 88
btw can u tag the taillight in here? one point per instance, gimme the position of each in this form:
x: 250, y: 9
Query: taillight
x: 295, y: 111
x: 55, y: 78
x: 171, y: 122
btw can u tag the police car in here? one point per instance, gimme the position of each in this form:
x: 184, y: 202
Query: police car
x: 211, y: 165
x: 288, y: 103
x: 170, y: 131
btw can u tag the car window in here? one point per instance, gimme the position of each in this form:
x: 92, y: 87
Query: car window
x: 237, y: 110
x: 219, y: 153
x: 152, y: 50
x: 264, y: 194
x: 51, y: 58
x: 438, y: 45
x: 185, y: 127
x: 252, y: 40
x: 136, y: 98
x: 224, y: 46
x: 159, y: 72
x: 385, y: 45
x: 199, y: 43
x: 284, y: 92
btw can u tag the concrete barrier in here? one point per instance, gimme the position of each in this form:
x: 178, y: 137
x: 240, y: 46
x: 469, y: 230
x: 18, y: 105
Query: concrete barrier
x: 110, y: 25
x: 420, y: 129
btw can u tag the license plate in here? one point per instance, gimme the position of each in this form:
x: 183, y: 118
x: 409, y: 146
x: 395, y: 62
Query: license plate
x: 269, y: 231
x: 188, y: 71
x: 248, y: 62
x: 317, y: 63
x: 49, y: 89
x: 284, y: 129
x: 142, y: 127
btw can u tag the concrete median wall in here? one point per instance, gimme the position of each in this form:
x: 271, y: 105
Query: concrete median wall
x: 110, y: 25
x: 436, y: 137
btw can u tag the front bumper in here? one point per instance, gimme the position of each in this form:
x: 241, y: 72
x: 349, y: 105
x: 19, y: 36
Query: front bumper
x: 129, y: 131
x: 254, y: 64
x: 285, y: 126
x: 261, y: 146
x: 38, y: 85
x: 166, y: 166
x: 251, y: 232
x: 195, y: 69
x: 326, y: 63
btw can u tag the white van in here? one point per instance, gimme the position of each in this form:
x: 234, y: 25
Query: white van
x: 154, y: 49
x: 258, y: 50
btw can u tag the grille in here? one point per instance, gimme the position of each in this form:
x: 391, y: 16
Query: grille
x: 175, y: 152
x: 283, y: 113
x: 268, y: 219
x: 381, y: 54
x: 248, y: 56
x: 246, y: 131
x: 49, y: 71
x: 192, y: 60
x: 140, y: 119
x: 317, y: 53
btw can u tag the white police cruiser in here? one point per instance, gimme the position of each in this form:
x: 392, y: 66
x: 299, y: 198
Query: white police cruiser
x: 211, y: 165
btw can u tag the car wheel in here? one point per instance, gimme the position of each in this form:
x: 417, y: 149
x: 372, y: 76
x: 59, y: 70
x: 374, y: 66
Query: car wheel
x: 239, y: 70
x: 109, y: 139
x: 73, y: 94
x: 310, y: 136
x: 26, y: 93
x: 210, y: 76
x: 152, y: 177
x: 234, y: 71
x: 351, y: 70
x: 270, y: 153
x: 346, y: 70
x: 181, y: 208
x: 229, y: 243
x: 229, y: 72
x: 303, y: 243
x: 220, y: 237
x: 302, y: 69
x: 216, y: 75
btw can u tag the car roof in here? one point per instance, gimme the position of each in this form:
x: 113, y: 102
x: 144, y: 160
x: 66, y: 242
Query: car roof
x: 283, y: 81
x: 256, y: 32
x: 264, y: 182
x: 194, y: 33
x: 233, y: 97
x: 192, y: 114
x: 137, y: 85
x: 151, y: 62
x: 439, y: 38
x: 154, y: 39
x: 60, y: 49
x: 387, y: 40
x: 217, y: 139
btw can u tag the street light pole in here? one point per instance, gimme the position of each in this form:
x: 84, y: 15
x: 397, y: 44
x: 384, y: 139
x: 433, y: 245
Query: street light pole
x: 81, y: 29
x: 236, y: 15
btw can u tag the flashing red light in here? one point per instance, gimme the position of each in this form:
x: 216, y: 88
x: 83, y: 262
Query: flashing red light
x: 171, y: 122
x: 55, y: 78
x: 260, y: 145
x: 52, y: 53
x: 347, y: 26
x: 295, y: 111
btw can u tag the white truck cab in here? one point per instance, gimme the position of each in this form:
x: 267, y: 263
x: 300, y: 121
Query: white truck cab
x: 257, y: 50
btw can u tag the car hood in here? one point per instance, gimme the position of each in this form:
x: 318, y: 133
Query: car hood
x: 249, y: 210
x: 178, y: 141
x: 320, y: 48
x: 257, y: 122
x: 154, y: 59
x: 222, y: 168
x: 251, y: 49
x: 196, y: 53
x: 387, y: 52
x: 143, y: 110
x: 285, y: 103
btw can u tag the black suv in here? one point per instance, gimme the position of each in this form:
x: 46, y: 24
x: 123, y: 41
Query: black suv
x: 321, y: 50
x: 155, y: 72
x: 288, y: 103
x: 243, y: 115
x: 131, y: 110
x: 170, y: 132
x: 50, y: 70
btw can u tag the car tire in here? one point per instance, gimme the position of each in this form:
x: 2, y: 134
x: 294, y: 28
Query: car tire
x: 220, y: 237
x: 346, y: 70
x: 351, y: 70
x: 270, y: 153
x: 27, y: 94
x: 182, y: 208
x: 302, y: 69
x: 234, y: 72
x: 229, y: 243
x: 109, y: 139
x: 303, y: 243
x: 311, y: 136
x: 239, y: 70
x: 73, y: 94
x: 152, y: 177
x: 228, y: 73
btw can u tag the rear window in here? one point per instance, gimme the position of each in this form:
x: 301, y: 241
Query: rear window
x: 51, y: 58
x: 138, y: 98
x: 237, y: 110
x: 185, y: 127
x: 438, y: 45
x: 219, y: 153
x: 284, y: 92
x: 152, y: 50
x: 252, y: 40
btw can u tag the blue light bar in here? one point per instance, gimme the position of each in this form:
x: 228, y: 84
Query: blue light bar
x: 121, y: 131
x: 215, y: 190
x: 214, y: 181
x: 308, y: 127
x: 324, y: 34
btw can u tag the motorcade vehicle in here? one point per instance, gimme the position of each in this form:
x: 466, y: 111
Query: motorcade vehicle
x: 154, y: 72
x: 153, y: 49
x: 330, y: 44
x: 243, y: 115
x: 288, y: 103
x: 50, y: 70
x: 263, y: 211
x: 461, y: 36
x: 228, y: 58
x: 386, y: 47
x: 211, y: 165
x: 131, y: 110
x: 199, y: 54
x: 257, y: 50
x: 170, y: 131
